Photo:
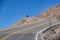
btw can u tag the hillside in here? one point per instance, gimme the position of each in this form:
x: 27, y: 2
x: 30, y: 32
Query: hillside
x: 50, y: 13
x: 32, y: 25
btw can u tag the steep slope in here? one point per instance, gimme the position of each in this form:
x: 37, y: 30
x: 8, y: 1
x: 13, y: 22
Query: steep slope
x: 51, y: 13
x: 25, y: 21
x: 52, y: 33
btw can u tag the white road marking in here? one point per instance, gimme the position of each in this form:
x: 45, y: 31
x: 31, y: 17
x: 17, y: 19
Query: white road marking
x: 40, y: 32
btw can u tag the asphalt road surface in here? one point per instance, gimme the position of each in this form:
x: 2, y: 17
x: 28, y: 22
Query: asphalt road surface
x: 27, y: 32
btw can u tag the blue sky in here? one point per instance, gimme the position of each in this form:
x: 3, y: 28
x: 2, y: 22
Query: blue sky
x: 13, y: 10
